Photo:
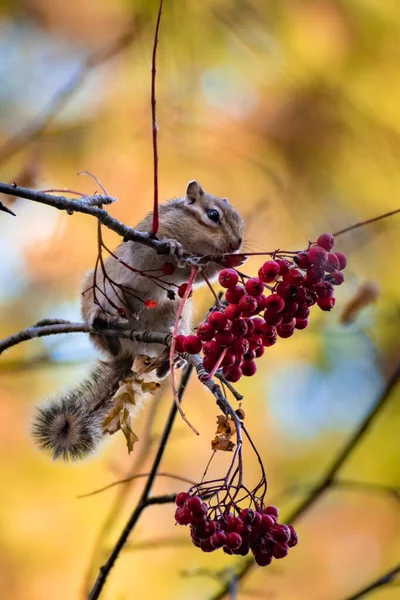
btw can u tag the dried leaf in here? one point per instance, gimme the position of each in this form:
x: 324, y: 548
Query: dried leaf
x: 225, y: 426
x: 130, y: 435
x: 145, y: 364
x: 150, y: 387
x: 221, y: 442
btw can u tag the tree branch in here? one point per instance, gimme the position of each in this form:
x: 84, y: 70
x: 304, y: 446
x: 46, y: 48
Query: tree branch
x: 36, y: 331
x: 87, y: 206
x: 328, y: 478
x: 145, y: 498
x: 383, y: 580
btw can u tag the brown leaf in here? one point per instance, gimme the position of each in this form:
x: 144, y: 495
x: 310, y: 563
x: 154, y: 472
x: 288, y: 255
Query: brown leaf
x: 145, y: 364
x: 221, y: 442
x: 130, y: 435
x: 225, y: 426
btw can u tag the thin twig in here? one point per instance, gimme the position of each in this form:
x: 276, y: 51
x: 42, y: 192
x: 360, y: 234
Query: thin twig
x: 154, y: 125
x: 131, y: 478
x: 5, y: 209
x: 362, y: 223
x: 328, y: 478
x: 145, y: 496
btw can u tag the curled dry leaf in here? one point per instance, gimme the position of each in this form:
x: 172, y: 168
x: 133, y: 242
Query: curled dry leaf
x: 126, y: 404
x: 221, y: 442
x: 366, y: 294
x: 226, y: 428
x: 146, y: 364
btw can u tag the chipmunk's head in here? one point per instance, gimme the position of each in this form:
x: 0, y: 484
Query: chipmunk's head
x: 210, y: 225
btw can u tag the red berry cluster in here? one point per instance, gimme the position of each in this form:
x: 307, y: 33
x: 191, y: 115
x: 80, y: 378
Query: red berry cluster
x: 255, y: 530
x: 235, y: 335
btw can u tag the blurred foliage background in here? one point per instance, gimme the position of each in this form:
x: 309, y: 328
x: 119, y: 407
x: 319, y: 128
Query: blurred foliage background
x: 289, y: 108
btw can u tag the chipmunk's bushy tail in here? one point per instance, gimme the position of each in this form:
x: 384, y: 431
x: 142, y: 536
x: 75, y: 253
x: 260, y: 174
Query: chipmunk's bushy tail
x: 71, y: 426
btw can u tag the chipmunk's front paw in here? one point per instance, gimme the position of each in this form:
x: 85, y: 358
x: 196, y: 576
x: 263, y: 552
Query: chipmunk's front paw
x: 175, y: 249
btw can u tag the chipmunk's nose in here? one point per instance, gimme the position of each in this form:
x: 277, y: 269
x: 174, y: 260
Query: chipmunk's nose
x: 236, y: 245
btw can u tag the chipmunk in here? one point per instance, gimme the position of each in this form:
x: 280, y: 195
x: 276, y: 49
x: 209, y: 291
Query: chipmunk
x: 71, y: 426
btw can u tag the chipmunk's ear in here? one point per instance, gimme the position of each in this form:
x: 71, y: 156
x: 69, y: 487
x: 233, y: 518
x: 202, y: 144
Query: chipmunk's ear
x: 194, y: 191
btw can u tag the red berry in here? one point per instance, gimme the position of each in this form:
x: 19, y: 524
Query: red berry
x: 232, y: 311
x: 267, y: 521
x: 183, y: 515
x: 326, y: 303
x: 205, y: 332
x: 269, y: 271
x: 342, y: 260
x: 273, y: 318
x: 301, y: 323
x: 182, y: 290
x: 284, y: 265
x: 195, y: 505
x: 263, y: 559
x: 274, y: 303
x: 179, y: 343
x: 268, y: 341
x: 326, y: 241
x: 302, y: 312
x: 218, y: 320
x: 234, y: 294
x: 288, y: 322
x: 290, y: 307
x: 271, y: 510
x: 250, y: 355
x: 228, y: 278
x: 248, y: 304
x: 332, y: 263
x: 302, y: 260
x: 228, y: 360
x: 293, y: 277
x: 280, y: 533
x: 218, y: 539
x: 239, y: 327
x: 181, y: 498
x: 249, y: 368
x: 209, y: 362
x: 224, y: 338
x: 247, y: 515
x: 192, y: 344
x: 318, y: 256
x: 232, y: 374
x: 168, y: 268
x: 233, y: 540
x: 324, y: 289
x: 336, y: 277
x: 258, y: 324
x: 280, y: 550
x: 285, y: 290
x: 250, y: 326
x: 254, y: 286
x: 240, y: 346
x: 315, y: 274
x: 212, y: 349
x: 259, y: 351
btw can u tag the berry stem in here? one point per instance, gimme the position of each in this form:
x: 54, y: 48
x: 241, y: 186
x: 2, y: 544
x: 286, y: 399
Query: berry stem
x: 155, y: 224
x: 192, y: 278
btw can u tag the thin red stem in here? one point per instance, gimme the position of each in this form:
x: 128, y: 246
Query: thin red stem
x: 155, y: 224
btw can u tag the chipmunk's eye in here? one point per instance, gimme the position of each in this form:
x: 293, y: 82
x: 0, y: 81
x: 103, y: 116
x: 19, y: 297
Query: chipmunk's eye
x: 213, y: 215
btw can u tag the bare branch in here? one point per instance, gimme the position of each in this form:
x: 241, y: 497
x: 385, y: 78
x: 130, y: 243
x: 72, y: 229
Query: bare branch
x: 84, y: 206
x: 380, y: 582
x: 67, y: 327
x: 154, y: 126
